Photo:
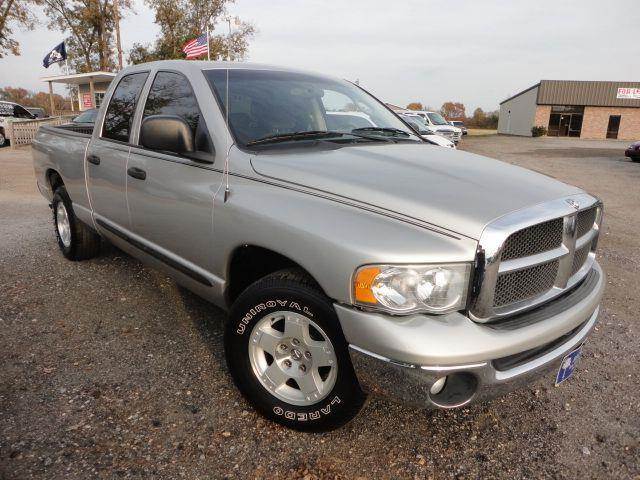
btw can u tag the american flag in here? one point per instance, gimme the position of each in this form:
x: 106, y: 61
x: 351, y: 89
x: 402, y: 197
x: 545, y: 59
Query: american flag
x: 196, y: 47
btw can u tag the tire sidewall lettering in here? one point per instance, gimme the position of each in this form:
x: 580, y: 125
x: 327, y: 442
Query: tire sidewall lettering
x: 270, y: 304
x: 306, y: 416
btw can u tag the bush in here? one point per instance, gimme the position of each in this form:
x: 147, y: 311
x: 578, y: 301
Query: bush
x: 538, y: 131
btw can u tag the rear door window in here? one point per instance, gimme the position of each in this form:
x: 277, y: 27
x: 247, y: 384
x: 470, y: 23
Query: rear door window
x: 119, y: 115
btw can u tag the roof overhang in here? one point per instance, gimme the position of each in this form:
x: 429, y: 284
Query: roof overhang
x: 80, y: 78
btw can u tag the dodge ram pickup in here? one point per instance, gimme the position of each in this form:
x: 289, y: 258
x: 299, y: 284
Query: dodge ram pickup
x: 351, y: 262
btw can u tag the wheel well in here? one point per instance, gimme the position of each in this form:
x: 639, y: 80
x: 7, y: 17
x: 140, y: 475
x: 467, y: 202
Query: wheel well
x: 251, y: 263
x: 55, y: 180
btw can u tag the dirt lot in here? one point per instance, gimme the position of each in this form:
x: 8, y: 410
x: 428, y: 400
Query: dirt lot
x: 109, y: 370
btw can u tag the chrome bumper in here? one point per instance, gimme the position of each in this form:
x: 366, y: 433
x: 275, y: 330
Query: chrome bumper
x: 487, y: 368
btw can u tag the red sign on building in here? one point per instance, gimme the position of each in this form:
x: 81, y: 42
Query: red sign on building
x: 86, y: 100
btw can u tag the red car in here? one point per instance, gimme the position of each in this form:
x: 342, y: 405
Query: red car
x: 633, y: 152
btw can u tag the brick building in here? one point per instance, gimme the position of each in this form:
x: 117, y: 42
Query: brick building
x: 569, y: 108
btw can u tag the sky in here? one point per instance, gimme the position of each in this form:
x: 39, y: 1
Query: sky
x: 478, y: 52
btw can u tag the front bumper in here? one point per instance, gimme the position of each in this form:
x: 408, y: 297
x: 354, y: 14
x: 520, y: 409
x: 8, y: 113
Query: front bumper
x: 402, y: 358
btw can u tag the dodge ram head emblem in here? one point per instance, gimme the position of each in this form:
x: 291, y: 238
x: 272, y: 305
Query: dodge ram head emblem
x: 573, y: 203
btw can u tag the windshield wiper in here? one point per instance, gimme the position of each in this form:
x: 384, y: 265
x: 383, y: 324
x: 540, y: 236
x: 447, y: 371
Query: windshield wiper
x: 394, y: 131
x: 311, y: 134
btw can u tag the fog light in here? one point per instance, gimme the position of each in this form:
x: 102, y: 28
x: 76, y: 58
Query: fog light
x: 438, y: 385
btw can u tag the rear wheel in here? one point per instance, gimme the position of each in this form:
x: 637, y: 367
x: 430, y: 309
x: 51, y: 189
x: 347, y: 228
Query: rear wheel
x: 287, y: 354
x: 3, y: 140
x: 75, y: 239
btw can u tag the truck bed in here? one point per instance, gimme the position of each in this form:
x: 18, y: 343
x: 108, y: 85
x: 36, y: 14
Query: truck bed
x: 61, y: 149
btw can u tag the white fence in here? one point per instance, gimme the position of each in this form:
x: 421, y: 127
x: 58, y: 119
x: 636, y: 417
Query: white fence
x: 22, y: 132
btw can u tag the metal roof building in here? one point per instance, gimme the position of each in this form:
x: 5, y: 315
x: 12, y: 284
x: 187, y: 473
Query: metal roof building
x: 571, y: 108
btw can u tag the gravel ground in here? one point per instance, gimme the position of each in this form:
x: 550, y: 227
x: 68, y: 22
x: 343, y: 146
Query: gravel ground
x: 108, y: 369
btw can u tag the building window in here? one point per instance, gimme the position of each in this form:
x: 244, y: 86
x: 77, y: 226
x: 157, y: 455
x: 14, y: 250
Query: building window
x: 565, y: 121
x: 99, y: 97
x: 614, y: 126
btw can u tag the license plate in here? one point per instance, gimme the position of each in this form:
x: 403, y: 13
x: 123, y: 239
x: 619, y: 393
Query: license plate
x: 568, y: 365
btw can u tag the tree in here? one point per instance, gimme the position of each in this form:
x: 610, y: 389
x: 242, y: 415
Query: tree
x: 415, y: 106
x: 91, y: 25
x: 182, y: 20
x: 453, y: 110
x: 31, y: 99
x: 15, y: 13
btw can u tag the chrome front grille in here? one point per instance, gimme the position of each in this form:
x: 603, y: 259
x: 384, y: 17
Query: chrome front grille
x: 585, y: 220
x: 535, y: 239
x: 526, y: 283
x: 533, y: 255
x: 580, y: 257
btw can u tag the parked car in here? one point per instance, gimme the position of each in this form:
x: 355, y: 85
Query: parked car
x: 418, y: 123
x: 37, y: 112
x: 633, y: 152
x: 436, y: 122
x: 86, y: 118
x: 8, y: 112
x: 460, y: 125
x: 351, y: 262
x: 348, y: 120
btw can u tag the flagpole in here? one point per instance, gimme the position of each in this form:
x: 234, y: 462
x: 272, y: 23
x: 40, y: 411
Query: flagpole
x: 208, y: 49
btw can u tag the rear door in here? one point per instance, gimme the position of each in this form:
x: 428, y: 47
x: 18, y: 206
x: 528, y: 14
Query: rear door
x: 108, y: 153
x: 170, y: 196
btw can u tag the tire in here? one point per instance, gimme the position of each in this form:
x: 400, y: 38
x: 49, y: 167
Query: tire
x: 269, y: 313
x: 3, y: 140
x: 75, y: 239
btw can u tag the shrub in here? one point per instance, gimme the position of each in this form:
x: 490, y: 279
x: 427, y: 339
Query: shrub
x: 538, y: 131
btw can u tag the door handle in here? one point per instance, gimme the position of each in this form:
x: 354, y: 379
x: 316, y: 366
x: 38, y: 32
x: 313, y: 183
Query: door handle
x: 93, y: 159
x: 137, y: 173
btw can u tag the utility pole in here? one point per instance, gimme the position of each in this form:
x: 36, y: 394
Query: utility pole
x: 116, y: 19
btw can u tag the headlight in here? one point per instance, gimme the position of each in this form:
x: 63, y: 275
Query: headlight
x: 402, y: 289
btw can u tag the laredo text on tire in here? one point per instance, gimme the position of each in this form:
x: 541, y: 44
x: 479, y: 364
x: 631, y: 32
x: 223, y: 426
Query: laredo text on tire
x: 288, y: 356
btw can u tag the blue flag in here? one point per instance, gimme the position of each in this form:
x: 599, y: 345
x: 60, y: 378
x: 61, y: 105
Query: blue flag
x: 58, y: 54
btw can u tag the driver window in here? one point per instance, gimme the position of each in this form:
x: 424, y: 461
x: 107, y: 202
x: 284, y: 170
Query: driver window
x: 171, y: 94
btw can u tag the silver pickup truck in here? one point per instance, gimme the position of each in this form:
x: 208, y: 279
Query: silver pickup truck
x: 352, y: 261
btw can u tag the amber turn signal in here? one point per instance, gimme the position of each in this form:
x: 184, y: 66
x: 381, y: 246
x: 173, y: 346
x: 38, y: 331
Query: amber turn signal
x: 362, y: 284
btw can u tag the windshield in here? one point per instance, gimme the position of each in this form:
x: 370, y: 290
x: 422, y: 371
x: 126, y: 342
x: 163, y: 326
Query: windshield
x: 272, y: 105
x: 88, y: 116
x: 437, y: 119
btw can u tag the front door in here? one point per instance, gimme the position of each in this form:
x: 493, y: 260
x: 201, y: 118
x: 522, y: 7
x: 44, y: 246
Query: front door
x: 108, y: 153
x: 565, y: 121
x: 170, y: 196
x: 614, y: 126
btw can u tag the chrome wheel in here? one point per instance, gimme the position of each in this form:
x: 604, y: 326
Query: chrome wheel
x: 3, y: 140
x: 63, y: 224
x: 293, y: 358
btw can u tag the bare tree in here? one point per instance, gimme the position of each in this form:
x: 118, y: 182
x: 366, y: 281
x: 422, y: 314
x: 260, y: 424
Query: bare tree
x: 91, y: 25
x: 15, y: 13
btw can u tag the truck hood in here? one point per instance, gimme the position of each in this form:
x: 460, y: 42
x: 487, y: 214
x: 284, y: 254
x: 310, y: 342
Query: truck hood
x: 451, y: 189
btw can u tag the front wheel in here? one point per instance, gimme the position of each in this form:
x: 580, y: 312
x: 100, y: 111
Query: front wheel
x: 288, y: 356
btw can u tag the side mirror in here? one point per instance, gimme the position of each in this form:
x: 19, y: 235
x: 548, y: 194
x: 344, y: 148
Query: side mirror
x: 168, y: 133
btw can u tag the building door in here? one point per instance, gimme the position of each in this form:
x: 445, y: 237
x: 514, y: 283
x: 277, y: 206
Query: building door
x: 565, y: 121
x: 614, y: 126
